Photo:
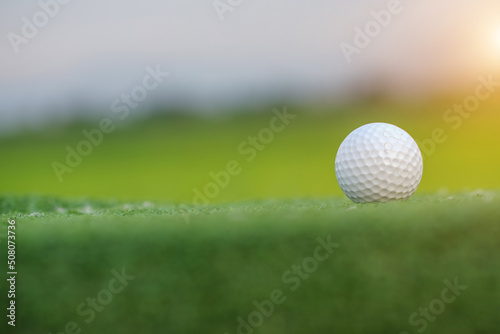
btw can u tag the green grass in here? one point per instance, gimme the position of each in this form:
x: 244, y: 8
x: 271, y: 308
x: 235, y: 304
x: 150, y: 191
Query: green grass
x: 199, y: 277
x: 166, y: 158
x: 199, y: 268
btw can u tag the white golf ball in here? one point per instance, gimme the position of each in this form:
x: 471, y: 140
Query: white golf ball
x: 378, y: 162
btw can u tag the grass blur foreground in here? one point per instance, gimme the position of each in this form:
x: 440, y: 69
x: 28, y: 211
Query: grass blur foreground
x: 302, y: 266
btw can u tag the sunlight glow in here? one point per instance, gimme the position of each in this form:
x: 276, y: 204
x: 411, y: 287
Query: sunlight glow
x: 497, y: 39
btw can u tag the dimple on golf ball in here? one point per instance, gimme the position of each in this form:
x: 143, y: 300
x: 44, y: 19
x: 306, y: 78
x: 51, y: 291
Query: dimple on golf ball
x: 378, y: 162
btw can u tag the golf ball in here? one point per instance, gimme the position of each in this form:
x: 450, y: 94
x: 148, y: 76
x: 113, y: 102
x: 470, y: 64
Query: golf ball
x: 378, y: 162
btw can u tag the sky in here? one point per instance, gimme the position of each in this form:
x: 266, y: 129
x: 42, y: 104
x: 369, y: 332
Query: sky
x: 85, y: 54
